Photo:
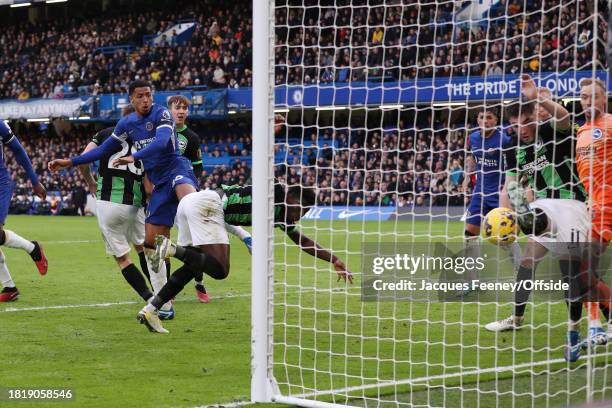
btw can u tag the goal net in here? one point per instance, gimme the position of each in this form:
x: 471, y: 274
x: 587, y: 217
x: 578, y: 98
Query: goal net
x: 371, y: 103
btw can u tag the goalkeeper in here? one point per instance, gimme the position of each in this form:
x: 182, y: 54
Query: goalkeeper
x: 203, y: 244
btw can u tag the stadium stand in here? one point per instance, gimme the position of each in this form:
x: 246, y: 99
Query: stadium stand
x: 413, y: 167
x: 404, y: 166
x: 58, y: 58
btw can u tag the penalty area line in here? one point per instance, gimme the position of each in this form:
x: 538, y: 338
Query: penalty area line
x: 107, y: 304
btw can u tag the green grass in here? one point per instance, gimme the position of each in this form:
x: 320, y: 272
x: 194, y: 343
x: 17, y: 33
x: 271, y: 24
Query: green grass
x: 325, y: 337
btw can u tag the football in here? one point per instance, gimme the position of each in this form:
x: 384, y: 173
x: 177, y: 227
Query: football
x: 499, y: 227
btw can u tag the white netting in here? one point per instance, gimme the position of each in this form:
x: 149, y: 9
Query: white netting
x: 374, y: 104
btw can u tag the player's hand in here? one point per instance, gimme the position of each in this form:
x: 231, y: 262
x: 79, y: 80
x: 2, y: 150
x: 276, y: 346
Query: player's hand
x: 59, y: 164
x: 528, y: 87
x: 40, y: 191
x: 123, y: 160
x: 342, y: 271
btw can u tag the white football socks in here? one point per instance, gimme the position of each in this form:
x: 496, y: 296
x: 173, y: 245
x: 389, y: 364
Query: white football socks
x: 5, y: 277
x: 517, y: 255
x: 237, y: 231
x: 159, y: 279
x: 13, y: 240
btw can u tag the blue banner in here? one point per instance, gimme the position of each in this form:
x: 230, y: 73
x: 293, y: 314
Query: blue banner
x: 455, y: 89
x: 218, y: 103
x: 211, y: 104
x: 352, y: 213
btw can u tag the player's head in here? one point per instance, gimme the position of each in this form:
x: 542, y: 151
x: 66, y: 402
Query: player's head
x: 179, y: 107
x: 523, y: 118
x: 488, y: 118
x: 296, y: 201
x: 141, y: 96
x: 593, y: 97
x: 543, y: 93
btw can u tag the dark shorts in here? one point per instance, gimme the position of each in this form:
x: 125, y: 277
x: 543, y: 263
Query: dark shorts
x: 162, y: 206
x: 480, y: 205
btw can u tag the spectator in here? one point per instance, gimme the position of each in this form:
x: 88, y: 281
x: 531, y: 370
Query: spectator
x: 79, y: 197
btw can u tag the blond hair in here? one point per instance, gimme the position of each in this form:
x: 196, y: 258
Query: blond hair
x: 178, y: 100
x: 594, y: 81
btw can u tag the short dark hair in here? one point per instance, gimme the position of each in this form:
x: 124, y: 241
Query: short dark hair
x: 516, y: 108
x: 492, y: 108
x: 139, y: 83
x: 306, y: 196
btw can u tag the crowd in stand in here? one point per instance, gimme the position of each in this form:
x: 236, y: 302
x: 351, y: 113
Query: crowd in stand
x: 385, y: 166
x: 381, y: 167
x: 352, y: 41
x: 67, y: 193
x: 366, y: 40
x: 57, y: 59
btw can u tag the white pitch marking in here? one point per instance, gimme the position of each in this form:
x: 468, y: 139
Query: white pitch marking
x: 227, y: 405
x: 106, y: 304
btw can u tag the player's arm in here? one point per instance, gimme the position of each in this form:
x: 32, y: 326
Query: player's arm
x: 470, y: 168
x: 86, y: 172
x: 194, y: 154
x: 21, y: 156
x: 111, y: 145
x: 312, y: 248
x: 242, y: 234
x: 559, y: 114
x: 163, y: 134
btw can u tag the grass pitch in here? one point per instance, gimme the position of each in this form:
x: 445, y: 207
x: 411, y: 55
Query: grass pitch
x: 76, y: 328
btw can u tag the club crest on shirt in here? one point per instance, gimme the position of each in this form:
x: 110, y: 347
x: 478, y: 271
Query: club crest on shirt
x: 182, y: 142
x: 149, y: 126
x: 597, y: 134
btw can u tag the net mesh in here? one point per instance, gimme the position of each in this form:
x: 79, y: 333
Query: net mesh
x: 375, y: 101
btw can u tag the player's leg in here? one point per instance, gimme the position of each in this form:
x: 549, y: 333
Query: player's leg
x: 136, y: 236
x: 10, y: 239
x: 161, y: 212
x: 143, y: 261
x: 245, y: 237
x: 534, y: 252
x: 9, y: 291
x: 571, y: 271
x: 201, y: 223
x: 204, y: 246
x: 471, y: 233
x: 116, y: 222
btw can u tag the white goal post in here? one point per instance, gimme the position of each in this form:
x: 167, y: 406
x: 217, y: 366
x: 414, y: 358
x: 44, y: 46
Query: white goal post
x: 317, y: 342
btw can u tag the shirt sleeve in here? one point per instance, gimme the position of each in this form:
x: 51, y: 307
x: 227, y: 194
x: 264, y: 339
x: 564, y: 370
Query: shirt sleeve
x: 163, y: 133
x: 120, y: 133
x: 100, y: 137
x: 6, y: 134
x: 164, y: 118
